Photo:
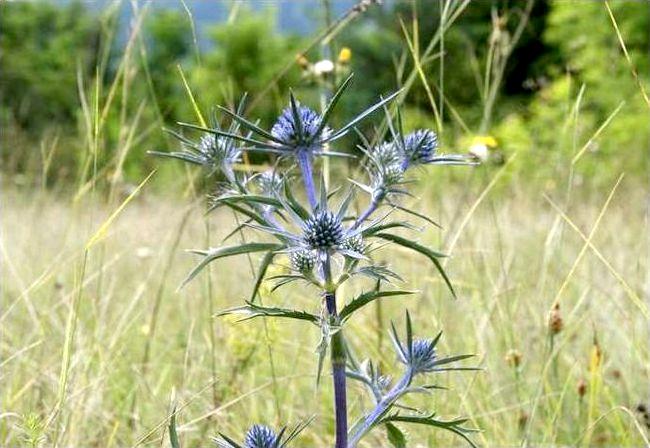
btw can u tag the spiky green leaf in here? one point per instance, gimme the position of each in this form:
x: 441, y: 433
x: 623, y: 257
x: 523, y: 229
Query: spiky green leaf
x: 368, y: 297
x: 227, y: 251
x: 395, y: 436
x: 430, y: 254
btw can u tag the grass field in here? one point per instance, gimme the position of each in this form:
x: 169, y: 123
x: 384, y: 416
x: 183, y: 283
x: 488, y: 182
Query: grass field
x: 98, y: 345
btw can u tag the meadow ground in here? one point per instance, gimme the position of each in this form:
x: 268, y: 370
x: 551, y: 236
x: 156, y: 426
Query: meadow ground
x: 98, y: 346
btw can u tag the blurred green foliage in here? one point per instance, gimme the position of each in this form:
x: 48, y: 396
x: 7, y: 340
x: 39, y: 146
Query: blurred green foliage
x: 51, y: 54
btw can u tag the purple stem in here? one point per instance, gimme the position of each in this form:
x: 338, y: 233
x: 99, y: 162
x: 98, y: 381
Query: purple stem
x: 366, y: 214
x: 338, y: 374
x: 380, y: 409
x: 304, y: 162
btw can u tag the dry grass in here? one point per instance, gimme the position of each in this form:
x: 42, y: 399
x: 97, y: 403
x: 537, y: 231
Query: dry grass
x: 74, y: 333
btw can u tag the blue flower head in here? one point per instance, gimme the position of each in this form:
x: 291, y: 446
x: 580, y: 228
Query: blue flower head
x: 260, y: 436
x: 422, y: 356
x: 323, y: 231
x: 303, y: 260
x: 269, y: 182
x: 299, y: 128
x: 420, y: 147
x: 387, y: 154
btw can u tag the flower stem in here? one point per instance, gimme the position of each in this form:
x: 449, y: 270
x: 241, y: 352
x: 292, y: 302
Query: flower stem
x: 338, y: 374
x: 381, y: 408
x: 304, y: 162
x: 366, y: 214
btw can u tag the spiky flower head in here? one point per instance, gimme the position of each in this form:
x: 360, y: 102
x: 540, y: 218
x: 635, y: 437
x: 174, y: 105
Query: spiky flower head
x: 269, y: 182
x: 421, y: 357
x: 387, y: 154
x: 323, y: 231
x: 260, y: 436
x: 391, y: 174
x: 299, y: 129
x: 387, y: 166
x: 218, y: 152
x: 303, y: 260
x: 353, y: 243
x: 420, y: 147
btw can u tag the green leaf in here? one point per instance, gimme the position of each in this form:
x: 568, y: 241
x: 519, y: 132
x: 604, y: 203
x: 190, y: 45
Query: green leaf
x: 378, y: 273
x: 251, y: 214
x: 366, y: 298
x: 343, y: 208
x: 264, y: 265
x: 228, y: 251
x: 451, y: 359
x: 332, y: 104
x: 251, y: 311
x: 454, y: 426
x: 173, y: 435
x: 419, y: 215
x: 294, y: 205
x: 296, y: 430
x: 395, y: 436
x: 321, y: 350
x: 230, y: 441
x: 297, y: 123
x: 376, y: 228
x: 341, y: 132
x: 245, y: 198
x: 184, y: 156
x: 430, y: 254
x: 256, y: 143
x: 248, y: 124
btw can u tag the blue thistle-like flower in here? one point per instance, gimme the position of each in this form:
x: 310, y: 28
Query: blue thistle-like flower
x: 303, y: 260
x: 387, y: 154
x: 388, y: 164
x: 300, y: 133
x: 390, y: 174
x: 260, y: 436
x: 218, y: 152
x: 323, y: 231
x: 269, y: 182
x: 353, y: 243
x: 420, y: 147
x: 422, y: 356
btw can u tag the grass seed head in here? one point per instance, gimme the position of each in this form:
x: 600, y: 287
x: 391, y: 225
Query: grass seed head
x: 555, y: 321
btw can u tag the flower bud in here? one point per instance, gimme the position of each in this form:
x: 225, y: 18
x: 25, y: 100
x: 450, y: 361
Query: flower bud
x: 303, y: 261
x: 345, y: 55
x: 581, y: 387
x: 422, y: 356
x: 555, y: 322
x: 323, y: 231
x: 287, y: 130
x: 513, y: 357
x: 421, y: 146
x: 260, y: 436
x: 353, y: 243
x: 269, y: 182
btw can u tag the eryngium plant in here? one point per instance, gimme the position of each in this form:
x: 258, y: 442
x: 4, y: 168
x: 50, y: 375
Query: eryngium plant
x: 327, y: 244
